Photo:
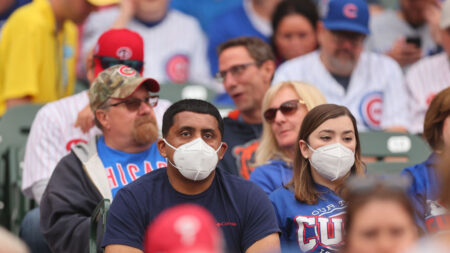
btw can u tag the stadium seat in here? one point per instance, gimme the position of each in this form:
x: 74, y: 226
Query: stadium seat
x: 14, y: 129
x: 392, y: 152
x: 98, y: 222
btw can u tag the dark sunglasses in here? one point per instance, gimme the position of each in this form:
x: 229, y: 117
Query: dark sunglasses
x: 286, y: 108
x: 133, y: 104
x: 107, y: 62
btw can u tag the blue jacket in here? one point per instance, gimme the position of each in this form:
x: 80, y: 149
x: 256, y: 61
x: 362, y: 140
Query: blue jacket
x: 424, y: 193
x: 272, y: 175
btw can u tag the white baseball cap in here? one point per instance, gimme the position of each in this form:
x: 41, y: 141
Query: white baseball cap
x: 445, y: 15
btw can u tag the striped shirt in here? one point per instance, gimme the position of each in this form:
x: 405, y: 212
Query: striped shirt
x: 423, y: 81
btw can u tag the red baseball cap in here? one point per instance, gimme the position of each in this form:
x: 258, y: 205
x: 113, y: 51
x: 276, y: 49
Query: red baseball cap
x: 185, y: 228
x: 122, y: 44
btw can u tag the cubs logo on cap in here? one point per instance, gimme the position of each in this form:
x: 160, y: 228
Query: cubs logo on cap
x: 347, y: 15
x: 371, y: 109
x: 120, y: 82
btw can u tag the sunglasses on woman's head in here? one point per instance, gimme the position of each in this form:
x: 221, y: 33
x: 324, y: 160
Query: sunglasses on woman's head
x: 107, y: 62
x: 286, y: 108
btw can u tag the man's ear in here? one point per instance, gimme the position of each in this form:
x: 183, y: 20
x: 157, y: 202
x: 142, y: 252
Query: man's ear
x: 103, y: 118
x: 161, y: 147
x: 222, y: 150
x: 269, y: 67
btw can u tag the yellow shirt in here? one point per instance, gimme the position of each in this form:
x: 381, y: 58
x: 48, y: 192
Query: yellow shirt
x: 34, y: 60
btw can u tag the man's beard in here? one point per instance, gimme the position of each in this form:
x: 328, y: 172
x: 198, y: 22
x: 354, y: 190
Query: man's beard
x: 145, y: 130
x: 343, y: 66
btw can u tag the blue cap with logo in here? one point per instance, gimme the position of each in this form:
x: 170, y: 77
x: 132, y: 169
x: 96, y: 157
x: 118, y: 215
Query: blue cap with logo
x: 347, y: 15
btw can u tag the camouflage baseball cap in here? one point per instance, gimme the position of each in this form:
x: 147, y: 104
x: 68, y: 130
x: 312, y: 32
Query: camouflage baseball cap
x: 118, y: 81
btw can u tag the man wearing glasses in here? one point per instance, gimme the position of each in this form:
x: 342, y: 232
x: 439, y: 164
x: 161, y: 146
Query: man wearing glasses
x: 123, y: 107
x: 369, y: 84
x: 246, y: 67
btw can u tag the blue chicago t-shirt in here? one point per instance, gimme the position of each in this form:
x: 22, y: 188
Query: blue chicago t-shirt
x: 312, y: 228
x: 123, y: 168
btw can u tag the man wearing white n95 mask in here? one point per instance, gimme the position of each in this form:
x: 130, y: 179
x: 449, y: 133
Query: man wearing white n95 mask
x: 192, y: 143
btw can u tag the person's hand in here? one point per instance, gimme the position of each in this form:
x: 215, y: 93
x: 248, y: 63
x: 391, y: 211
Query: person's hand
x: 405, y: 53
x: 85, y: 119
x: 432, y: 14
x: 127, y: 12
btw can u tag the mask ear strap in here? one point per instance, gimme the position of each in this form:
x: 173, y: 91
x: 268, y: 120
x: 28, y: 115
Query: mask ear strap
x: 168, y: 144
x: 217, y: 150
x: 310, y: 147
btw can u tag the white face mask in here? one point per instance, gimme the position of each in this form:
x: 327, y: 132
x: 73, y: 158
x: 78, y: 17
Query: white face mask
x: 195, y: 160
x: 332, y: 161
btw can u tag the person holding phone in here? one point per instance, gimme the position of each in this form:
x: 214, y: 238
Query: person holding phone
x: 406, y: 35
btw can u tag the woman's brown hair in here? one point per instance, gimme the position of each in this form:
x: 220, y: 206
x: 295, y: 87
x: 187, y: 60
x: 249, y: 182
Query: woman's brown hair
x: 302, y: 181
x: 437, y: 112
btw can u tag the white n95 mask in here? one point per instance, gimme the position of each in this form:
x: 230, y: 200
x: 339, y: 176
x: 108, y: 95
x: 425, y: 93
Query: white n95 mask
x: 195, y: 160
x: 332, y: 161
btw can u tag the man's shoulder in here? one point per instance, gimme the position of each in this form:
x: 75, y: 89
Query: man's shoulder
x: 306, y: 59
x: 434, y: 63
x: 61, y: 106
x: 180, y: 17
x: 378, y: 61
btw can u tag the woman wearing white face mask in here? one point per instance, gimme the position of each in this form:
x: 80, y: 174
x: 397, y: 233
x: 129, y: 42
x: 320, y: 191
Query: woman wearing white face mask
x: 310, y: 209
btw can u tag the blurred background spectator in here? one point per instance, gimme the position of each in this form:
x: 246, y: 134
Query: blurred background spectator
x: 424, y: 190
x: 379, y: 216
x: 429, y: 76
x: 185, y: 228
x: 406, y: 34
x: 294, y: 24
x: 174, y: 44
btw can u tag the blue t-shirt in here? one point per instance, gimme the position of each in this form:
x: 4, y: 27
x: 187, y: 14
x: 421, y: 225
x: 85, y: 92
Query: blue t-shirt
x: 313, y: 228
x: 272, y: 175
x: 241, y: 209
x: 424, y: 194
x: 123, y: 168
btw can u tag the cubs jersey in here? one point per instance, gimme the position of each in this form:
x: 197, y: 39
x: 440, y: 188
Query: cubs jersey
x: 424, y: 80
x: 313, y: 228
x: 424, y: 194
x: 174, y: 48
x: 376, y: 94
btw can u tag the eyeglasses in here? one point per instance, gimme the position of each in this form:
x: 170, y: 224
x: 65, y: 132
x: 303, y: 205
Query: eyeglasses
x: 286, y: 108
x: 133, y: 104
x: 107, y: 62
x: 235, y: 70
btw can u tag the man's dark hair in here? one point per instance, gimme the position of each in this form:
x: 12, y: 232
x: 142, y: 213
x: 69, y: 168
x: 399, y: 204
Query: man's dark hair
x: 259, y: 50
x: 190, y: 105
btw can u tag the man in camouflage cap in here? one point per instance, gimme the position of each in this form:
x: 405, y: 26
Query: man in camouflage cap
x: 123, y: 107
